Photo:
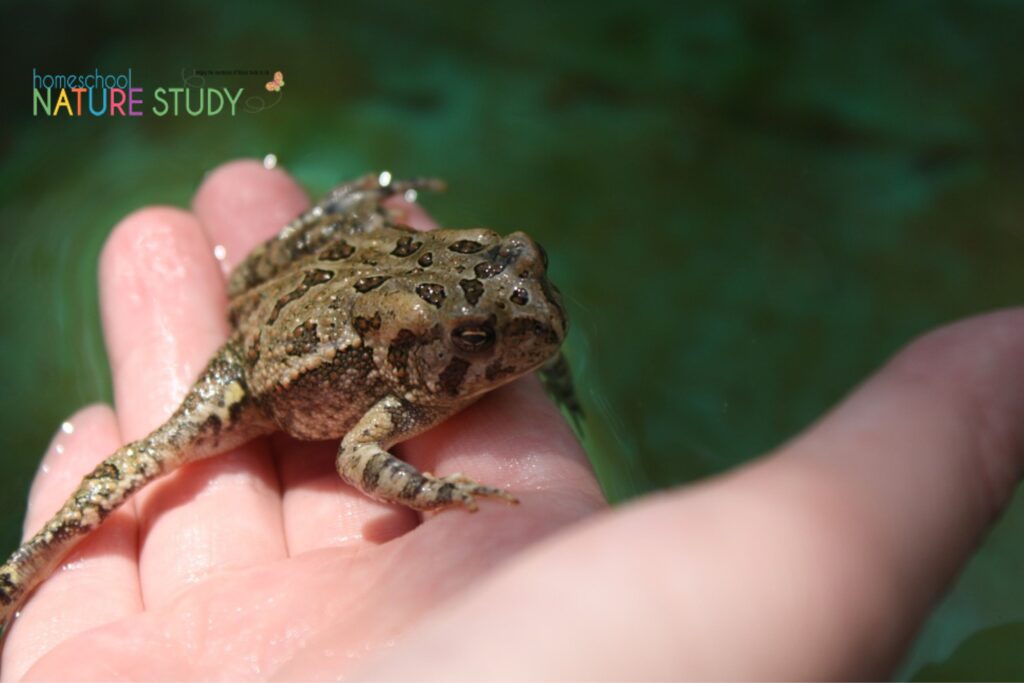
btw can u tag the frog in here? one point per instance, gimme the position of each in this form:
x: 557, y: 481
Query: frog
x: 349, y: 325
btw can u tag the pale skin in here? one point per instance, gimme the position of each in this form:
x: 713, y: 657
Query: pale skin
x: 819, y: 560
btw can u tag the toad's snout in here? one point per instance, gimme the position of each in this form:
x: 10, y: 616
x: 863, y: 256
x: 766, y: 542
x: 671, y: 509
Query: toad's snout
x: 520, y: 252
x: 525, y: 262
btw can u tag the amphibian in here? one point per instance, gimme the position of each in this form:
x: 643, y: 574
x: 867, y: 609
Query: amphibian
x: 346, y: 325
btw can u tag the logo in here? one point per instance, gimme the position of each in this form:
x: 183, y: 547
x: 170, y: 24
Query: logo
x: 102, y: 94
x: 276, y: 84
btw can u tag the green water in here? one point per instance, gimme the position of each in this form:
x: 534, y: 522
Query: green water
x: 749, y: 205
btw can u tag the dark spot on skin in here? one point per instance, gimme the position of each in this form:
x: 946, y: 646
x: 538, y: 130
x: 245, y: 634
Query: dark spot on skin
x: 7, y: 588
x: 338, y: 251
x: 413, y: 487
x: 304, y: 339
x: 366, y: 284
x: 474, y: 337
x: 105, y: 470
x: 398, y: 351
x: 466, y: 247
x: 473, y: 289
x: 431, y: 293
x: 235, y: 411
x: 520, y: 296
x: 372, y: 469
x: 399, y: 471
x: 311, y: 279
x: 406, y: 246
x: 67, y: 528
x: 504, y: 254
x: 213, y: 423
x: 426, y: 260
x: 364, y: 324
x: 445, y: 493
x: 453, y: 374
x: 486, y: 269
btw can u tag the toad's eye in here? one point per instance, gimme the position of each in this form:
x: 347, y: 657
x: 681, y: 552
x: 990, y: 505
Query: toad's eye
x: 473, y: 337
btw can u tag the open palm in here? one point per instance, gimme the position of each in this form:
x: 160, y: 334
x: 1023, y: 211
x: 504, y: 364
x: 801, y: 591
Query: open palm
x: 817, y: 561
x: 232, y: 566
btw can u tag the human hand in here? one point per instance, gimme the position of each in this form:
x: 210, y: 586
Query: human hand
x: 232, y: 566
x: 818, y: 561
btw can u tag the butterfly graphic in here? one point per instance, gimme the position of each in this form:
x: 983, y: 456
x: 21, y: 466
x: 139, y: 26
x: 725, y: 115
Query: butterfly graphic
x: 276, y: 84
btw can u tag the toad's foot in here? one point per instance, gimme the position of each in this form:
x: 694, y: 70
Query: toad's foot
x: 382, y: 476
x: 363, y: 462
x: 457, y: 489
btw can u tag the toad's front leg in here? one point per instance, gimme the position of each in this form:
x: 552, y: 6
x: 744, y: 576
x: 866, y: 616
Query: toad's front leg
x: 364, y: 462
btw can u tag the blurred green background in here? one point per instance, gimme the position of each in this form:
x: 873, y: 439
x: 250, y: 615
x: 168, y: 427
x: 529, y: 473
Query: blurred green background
x: 749, y: 205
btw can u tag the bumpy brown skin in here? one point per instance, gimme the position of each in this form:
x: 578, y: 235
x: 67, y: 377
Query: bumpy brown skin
x: 347, y: 325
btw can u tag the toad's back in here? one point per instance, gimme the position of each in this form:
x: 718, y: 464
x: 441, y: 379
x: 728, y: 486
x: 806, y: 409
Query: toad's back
x: 370, y: 312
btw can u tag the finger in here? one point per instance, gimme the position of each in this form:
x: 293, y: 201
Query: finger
x: 817, y: 563
x: 409, y: 213
x: 99, y: 581
x: 240, y: 205
x: 162, y: 296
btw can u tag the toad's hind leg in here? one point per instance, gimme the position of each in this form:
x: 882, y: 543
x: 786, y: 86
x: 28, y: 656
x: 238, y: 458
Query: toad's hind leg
x: 364, y: 463
x: 353, y: 207
x: 216, y: 415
